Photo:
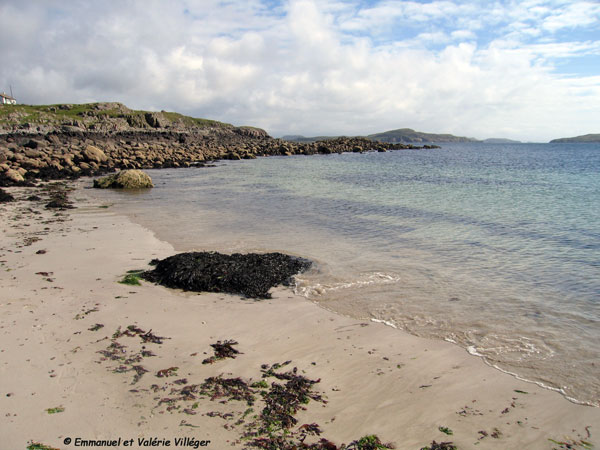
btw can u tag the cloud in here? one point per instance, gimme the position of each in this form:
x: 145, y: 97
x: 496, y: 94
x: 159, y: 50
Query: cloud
x: 308, y: 67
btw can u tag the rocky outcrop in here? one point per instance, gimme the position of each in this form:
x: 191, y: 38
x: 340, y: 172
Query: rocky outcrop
x: 125, y: 179
x: 89, y: 140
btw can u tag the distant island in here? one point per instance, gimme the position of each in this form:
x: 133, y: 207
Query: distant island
x: 409, y: 135
x: 584, y: 138
x: 405, y: 135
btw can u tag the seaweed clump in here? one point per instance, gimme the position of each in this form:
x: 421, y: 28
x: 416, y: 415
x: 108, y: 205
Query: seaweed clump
x: 5, y: 197
x: 440, y: 446
x: 59, y: 196
x: 222, y: 350
x: 251, y: 275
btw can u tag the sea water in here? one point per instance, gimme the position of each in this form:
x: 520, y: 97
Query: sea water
x: 495, y: 248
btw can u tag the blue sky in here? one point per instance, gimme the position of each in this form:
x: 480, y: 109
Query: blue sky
x: 527, y: 70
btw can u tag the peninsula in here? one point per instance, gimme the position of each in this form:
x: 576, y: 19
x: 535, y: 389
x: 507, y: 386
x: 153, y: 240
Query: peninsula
x: 584, y: 138
x: 68, y: 141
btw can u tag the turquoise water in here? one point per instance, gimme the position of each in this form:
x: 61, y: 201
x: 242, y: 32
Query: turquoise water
x: 493, y: 247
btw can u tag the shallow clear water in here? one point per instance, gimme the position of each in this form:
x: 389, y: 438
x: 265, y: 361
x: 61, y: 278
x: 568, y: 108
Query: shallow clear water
x: 493, y: 247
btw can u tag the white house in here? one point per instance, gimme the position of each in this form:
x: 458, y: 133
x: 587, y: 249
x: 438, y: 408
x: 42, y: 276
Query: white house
x: 7, y: 100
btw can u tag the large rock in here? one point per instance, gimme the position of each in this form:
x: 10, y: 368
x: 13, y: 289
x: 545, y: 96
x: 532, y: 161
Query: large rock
x: 94, y: 154
x: 14, y: 176
x: 31, y: 153
x: 125, y: 179
x: 156, y: 120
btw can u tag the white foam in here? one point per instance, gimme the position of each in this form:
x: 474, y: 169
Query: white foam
x: 367, y: 279
x: 471, y: 349
x: 385, y: 322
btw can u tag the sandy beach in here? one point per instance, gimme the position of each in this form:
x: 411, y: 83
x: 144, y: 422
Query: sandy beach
x: 63, y: 313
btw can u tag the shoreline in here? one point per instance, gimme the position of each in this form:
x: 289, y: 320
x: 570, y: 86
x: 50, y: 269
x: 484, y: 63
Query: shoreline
x: 377, y: 380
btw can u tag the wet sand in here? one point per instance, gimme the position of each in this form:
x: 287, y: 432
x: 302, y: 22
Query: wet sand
x: 376, y: 380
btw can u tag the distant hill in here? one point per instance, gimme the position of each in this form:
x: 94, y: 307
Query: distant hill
x: 584, y: 138
x: 402, y: 135
x: 409, y: 135
x: 500, y: 141
x: 300, y: 138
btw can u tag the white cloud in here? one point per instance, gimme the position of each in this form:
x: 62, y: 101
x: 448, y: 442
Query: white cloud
x: 463, y: 35
x: 326, y: 67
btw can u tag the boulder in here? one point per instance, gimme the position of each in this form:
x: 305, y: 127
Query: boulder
x: 125, y: 179
x: 14, y: 176
x: 34, y: 143
x: 31, y: 153
x: 34, y: 163
x: 94, y: 154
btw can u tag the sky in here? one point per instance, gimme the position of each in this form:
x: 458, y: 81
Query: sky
x: 526, y: 70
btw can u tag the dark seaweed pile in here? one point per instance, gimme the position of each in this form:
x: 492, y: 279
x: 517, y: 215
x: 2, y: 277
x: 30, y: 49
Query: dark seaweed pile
x: 251, y: 275
x: 5, y: 196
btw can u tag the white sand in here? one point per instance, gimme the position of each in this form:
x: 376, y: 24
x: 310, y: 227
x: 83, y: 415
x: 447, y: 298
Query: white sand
x: 377, y: 380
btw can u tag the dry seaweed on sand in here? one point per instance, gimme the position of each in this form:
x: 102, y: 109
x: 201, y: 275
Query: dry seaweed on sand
x: 370, y: 442
x: 281, y: 403
x: 251, y: 275
x: 145, y: 336
x: 129, y: 361
x: 222, y: 350
x: 227, y: 389
x: 440, y: 446
x: 139, y: 373
x: 39, y: 446
x: 573, y: 444
x: 59, y: 196
x: 171, y: 371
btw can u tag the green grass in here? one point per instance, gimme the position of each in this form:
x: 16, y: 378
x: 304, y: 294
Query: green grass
x: 194, y: 121
x: 53, y: 114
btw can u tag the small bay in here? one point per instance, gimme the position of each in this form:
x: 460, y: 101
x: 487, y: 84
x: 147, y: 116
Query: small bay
x: 495, y: 247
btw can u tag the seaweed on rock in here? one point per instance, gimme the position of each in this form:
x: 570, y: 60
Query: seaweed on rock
x: 251, y: 275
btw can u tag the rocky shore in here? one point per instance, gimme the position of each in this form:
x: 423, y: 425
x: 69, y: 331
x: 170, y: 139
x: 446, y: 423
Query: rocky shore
x: 69, y: 141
